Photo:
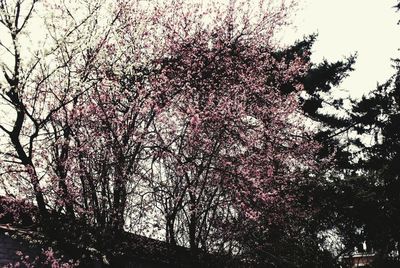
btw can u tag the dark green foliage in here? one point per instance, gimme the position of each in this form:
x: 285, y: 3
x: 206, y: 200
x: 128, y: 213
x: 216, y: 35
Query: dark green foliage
x: 363, y: 202
x: 378, y: 117
x: 321, y: 79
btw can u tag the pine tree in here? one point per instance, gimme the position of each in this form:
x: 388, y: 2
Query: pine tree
x: 363, y: 203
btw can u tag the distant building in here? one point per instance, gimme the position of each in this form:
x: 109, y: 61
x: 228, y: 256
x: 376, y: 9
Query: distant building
x: 358, y: 260
x: 134, y: 251
x: 17, y: 242
x: 11, y: 242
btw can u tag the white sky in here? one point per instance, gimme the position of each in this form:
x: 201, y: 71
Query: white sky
x: 368, y: 27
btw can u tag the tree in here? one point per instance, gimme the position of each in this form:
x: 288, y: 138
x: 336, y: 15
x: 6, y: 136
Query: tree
x: 188, y: 110
x: 32, y: 98
x: 189, y: 162
x: 360, y: 199
x: 377, y: 116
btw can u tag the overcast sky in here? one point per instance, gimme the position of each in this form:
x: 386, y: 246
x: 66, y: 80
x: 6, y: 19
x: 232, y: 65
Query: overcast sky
x: 368, y: 27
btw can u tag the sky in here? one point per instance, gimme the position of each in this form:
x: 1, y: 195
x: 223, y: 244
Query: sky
x: 366, y: 27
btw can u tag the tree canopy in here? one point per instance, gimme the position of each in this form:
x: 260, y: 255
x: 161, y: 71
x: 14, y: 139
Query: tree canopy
x: 190, y: 123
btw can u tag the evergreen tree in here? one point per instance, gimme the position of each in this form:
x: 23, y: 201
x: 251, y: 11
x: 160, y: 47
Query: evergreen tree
x: 378, y: 117
x: 362, y: 201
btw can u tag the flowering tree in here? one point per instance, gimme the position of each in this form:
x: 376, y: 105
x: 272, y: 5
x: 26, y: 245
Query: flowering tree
x: 173, y: 108
x: 229, y: 144
x: 38, y: 85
